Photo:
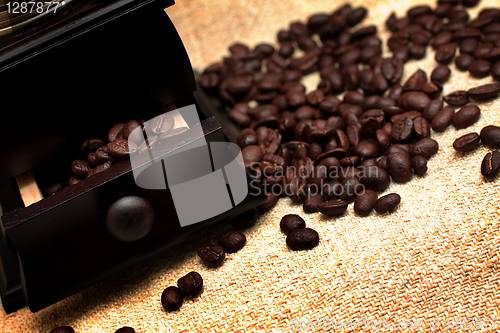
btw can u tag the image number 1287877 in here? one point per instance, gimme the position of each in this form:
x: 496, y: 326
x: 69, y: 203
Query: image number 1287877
x: 33, y: 6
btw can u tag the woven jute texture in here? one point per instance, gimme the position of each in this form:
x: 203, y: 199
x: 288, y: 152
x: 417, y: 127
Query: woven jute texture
x: 432, y: 265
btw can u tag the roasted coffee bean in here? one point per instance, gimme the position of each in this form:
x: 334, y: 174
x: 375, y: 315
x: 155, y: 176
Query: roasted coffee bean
x: 402, y: 130
x: 302, y: 239
x: 367, y: 148
x: 442, y: 38
x: 392, y: 70
x: 495, y: 71
x: 92, y: 159
x: 240, y: 118
x: 443, y: 119
x: 425, y: 147
x: 490, y: 136
x: 464, y: 61
x: 252, y: 153
x: 99, y: 168
x: 122, y: 148
x: 167, y: 135
x: 413, y: 100
x: 129, y: 127
x: 91, y: 145
x: 190, y: 284
x: 238, y: 86
x: 232, y: 241
x: 480, y: 68
x: 291, y: 222
x: 419, y: 165
x: 74, y: 180
x: 484, y: 92
x: 457, y: 98
x: 364, y: 203
x: 352, y: 187
x: 416, y: 81
x: 432, y: 89
x: 399, y: 167
x: 312, y: 202
x: 491, y: 164
x: 116, y: 132
x: 387, y: 203
x: 246, y: 138
x: 80, y: 168
x: 333, y: 208
x: 245, y: 220
x: 374, y: 178
x: 467, y: 142
x: 440, y: 74
x: 125, y: 329
x: 53, y: 188
x: 432, y: 109
x: 466, y: 116
x: 295, y: 98
x: 468, y: 45
x: 445, y: 53
x: 171, y: 298
x: 160, y: 124
x: 210, y: 81
x: 62, y: 329
x: 421, y: 128
x: 212, y: 255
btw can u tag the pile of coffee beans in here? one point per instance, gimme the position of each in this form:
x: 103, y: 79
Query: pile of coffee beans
x: 299, y: 237
x: 190, y: 284
x: 490, y: 137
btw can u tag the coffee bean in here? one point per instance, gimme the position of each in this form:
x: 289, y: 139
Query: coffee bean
x: 374, y: 178
x: 419, y: 165
x: 484, y: 92
x: 190, y: 284
x: 129, y: 127
x: 74, y: 180
x: 445, y: 53
x: 62, y: 329
x: 425, y: 147
x: 238, y: 86
x: 291, y: 222
x: 212, y: 255
x: 387, y: 203
x: 302, y: 239
x: 416, y: 81
x: 171, y: 298
x: 402, y: 130
x: 480, y: 68
x: 495, y: 71
x: 464, y: 61
x: 399, y: 167
x: 122, y: 148
x: 367, y: 148
x: 125, y: 329
x: 440, y: 74
x: 116, y: 132
x: 413, y: 100
x: 364, y: 203
x: 491, y: 164
x: 466, y: 116
x: 490, y: 136
x: 312, y: 202
x: 103, y: 156
x: 232, y: 241
x: 91, y: 145
x: 421, y: 128
x: 80, y: 168
x: 443, y: 119
x: 252, y: 153
x: 457, y: 98
x: 333, y: 208
x: 467, y: 142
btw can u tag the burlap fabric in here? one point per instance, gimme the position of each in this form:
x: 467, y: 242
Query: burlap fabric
x: 432, y: 265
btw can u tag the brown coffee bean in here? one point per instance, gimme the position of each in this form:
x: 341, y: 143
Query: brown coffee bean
x: 99, y: 168
x: 333, y: 208
x: 484, y: 92
x: 171, y: 298
x: 457, y: 98
x: 91, y: 145
x: 490, y: 136
x: 443, y: 119
x: 302, y: 239
x: 240, y: 118
x: 74, y: 180
x: 392, y: 70
x: 466, y: 116
x: 421, y: 128
x: 364, y: 203
x: 129, y: 127
x: 387, y: 203
x: 432, y: 109
x: 495, y: 71
x: 467, y: 142
x: 291, y: 222
x: 464, y: 61
x: 413, y: 100
x: 80, y: 168
x: 440, y: 74
x: 116, y: 132
x: 190, y: 284
x: 374, y: 178
x: 212, y: 255
x: 416, y: 81
x: 312, y: 202
x: 232, y: 241
x: 419, y: 165
x: 399, y: 167
x: 402, y: 130
x: 480, y: 68
x: 238, y: 86
x: 425, y: 148
x: 445, y: 53
x: 491, y: 164
x: 122, y: 148
x: 127, y: 329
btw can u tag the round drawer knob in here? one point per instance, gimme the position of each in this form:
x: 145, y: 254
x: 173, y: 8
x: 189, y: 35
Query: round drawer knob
x: 130, y: 218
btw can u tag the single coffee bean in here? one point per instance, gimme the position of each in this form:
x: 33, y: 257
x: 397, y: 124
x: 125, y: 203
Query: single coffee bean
x: 425, y: 147
x: 116, y: 132
x: 53, y: 188
x: 74, y: 180
x: 432, y: 109
x: 129, y: 127
x: 413, y: 100
x: 252, y: 153
x: 212, y: 255
x: 464, y: 61
x: 491, y: 164
x: 421, y: 128
x: 302, y: 239
x: 485, y: 92
x: 374, y: 178
x: 402, y: 130
x: 387, y: 203
x: 468, y: 45
x: 122, y: 148
x: 125, y: 329
x: 312, y: 201
x: 333, y: 208
x: 490, y: 136
x: 445, y: 53
x: 232, y: 241
x: 103, y: 155
x: 99, y: 168
x: 467, y: 142
x: 291, y: 222
x: 364, y: 203
x: 480, y: 68
x: 367, y: 148
x: 466, y: 116
x: 416, y: 81
x: 399, y: 167
x: 419, y: 165
x: 457, y: 98
x: 495, y: 71
x: 62, y: 329
x: 440, y: 74
x: 443, y: 119
x: 92, y: 159
x: 190, y: 284
x: 91, y: 145
x: 80, y: 168
x: 238, y: 86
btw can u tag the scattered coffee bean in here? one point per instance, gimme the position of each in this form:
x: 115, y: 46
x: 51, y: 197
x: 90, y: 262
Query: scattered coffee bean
x: 443, y: 119
x: 490, y: 136
x: 125, y: 329
x: 399, y: 167
x: 91, y: 145
x: 387, y: 203
x: 457, y: 98
x: 419, y: 165
x: 466, y: 116
x: 121, y: 148
x: 291, y: 222
x: 491, y: 164
x: 232, y: 241
x: 302, y: 239
x: 190, y: 284
x: 212, y: 255
x: 425, y: 148
x: 172, y: 299
x: 485, y: 92
x: 364, y: 203
x: 333, y: 208
x: 467, y: 142
x: 80, y: 168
